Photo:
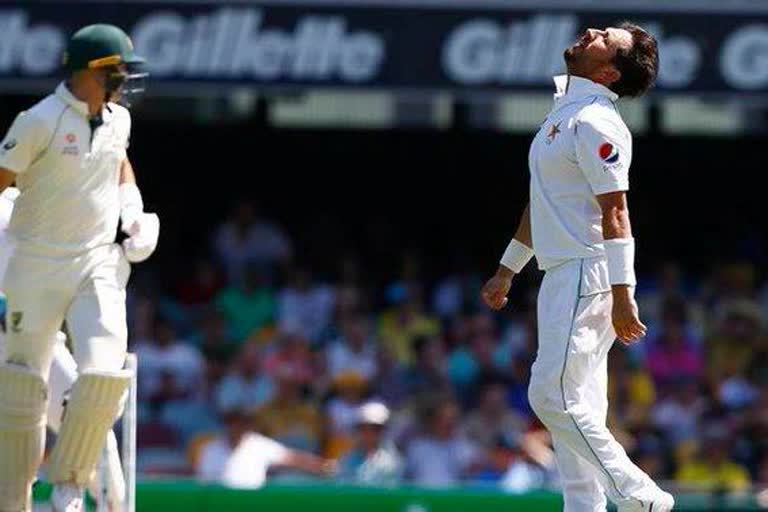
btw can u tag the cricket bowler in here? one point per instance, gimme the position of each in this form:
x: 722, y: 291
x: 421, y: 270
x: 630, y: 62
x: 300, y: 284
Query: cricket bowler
x: 62, y: 376
x: 67, y: 156
x: 577, y: 225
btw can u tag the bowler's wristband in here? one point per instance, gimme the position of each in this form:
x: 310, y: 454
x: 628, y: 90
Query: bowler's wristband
x: 620, y: 254
x: 516, y: 256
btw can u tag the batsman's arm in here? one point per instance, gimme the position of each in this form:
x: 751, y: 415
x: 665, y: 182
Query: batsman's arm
x: 620, y: 253
x: 131, y: 202
x: 517, y: 255
x: 126, y: 172
x: 142, y: 228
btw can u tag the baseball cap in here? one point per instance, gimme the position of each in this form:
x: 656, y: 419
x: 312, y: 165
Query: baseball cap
x: 373, y: 413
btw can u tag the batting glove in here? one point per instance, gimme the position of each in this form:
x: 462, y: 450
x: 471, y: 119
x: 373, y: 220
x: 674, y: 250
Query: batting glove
x: 143, y: 233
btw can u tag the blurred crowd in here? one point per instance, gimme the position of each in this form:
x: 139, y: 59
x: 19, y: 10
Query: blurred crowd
x: 417, y: 382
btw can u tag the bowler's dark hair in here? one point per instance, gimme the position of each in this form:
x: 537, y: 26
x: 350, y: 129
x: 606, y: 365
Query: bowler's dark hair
x: 638, y: 64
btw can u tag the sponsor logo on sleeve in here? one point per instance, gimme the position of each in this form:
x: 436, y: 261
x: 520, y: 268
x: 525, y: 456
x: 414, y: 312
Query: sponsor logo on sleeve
x: 609, y: 153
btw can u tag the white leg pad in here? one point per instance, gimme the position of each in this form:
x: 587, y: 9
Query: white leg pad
x: 90, y: 413
x: 23, y: 402
x: 110, y: 481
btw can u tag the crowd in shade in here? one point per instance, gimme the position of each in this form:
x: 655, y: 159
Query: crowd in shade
x: 252, y: 357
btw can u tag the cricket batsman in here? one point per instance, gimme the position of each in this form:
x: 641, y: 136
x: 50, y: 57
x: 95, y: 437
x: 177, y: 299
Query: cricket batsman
x: 62, y: 376
x: 577, y: 225
x: 67, y: 156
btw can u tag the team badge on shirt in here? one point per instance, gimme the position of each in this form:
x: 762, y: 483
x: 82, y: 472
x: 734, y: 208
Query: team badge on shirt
x: 608, y: 153
x: 16, y: 317
x: 552, y: 133
x: 71, y: 147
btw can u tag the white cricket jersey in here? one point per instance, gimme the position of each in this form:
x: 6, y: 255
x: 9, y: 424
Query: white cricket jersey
x: 68, y: 174
x: 583, y: 149
x: 243, y: 467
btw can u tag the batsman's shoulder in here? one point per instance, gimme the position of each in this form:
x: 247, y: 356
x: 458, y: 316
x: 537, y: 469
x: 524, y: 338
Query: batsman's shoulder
x: 122, y: 117
x: 122, y: 114
x: 48, y: 109
x: 39, y: 119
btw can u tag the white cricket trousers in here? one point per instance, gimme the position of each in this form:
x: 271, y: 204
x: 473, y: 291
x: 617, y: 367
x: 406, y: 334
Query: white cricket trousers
x: 88, y: 291
x: 568, y: 389
x: 62, y: 375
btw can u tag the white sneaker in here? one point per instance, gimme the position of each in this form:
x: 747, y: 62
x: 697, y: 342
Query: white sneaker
x: 654, y: 500
x: 662, y: 502
x: 67, y: 498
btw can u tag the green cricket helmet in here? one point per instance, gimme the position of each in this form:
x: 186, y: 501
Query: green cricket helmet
x: 104, y: 46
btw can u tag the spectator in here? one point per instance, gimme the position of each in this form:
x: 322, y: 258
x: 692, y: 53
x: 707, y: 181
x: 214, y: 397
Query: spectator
x: 492, y: 418
x: 752, y: 425
x: 349, y: 389
x: 351, y: 294
x: 305, y: 307
x: 517, y: 386
x: 246, y: 384
x: 733, y: 282
x: 201, y: 287
x: 736, y: 392
x: 429, y: 371
x: 402, y: 325
x: 289, y: 418
x: 713, y: 470
x: 215, y: 345
x: 354, y: 351
x: 518, y: 340
x: 678, y: 414
x: 291, y: 350
x: 391, y: 383
x: 373, y: 460
x: 762, y: 475
x: 674, y: 354
x: 467, y: 364
x: 652, y: 291
x: 142, y: 312
x: 247, y: 240
x: 247, y: 307
x: 649, y: 455
x: 240, y: 458
x: 631, y: 391
x: 456, y: 292
x: 170, y: 369
x: 738, y: 331
x: 512, y: 463
x: 440, y: 457
x: 279, y: 354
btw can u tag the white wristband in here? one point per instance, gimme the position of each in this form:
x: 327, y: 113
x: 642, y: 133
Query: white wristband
x: 131, y: 203
x: 516, y: 256
x: 620, y: 254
